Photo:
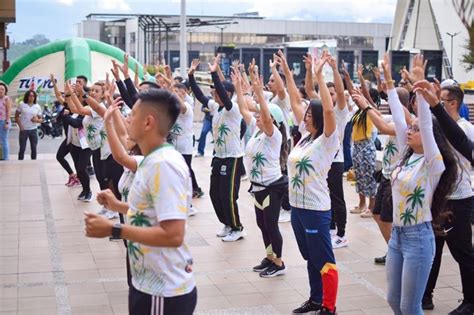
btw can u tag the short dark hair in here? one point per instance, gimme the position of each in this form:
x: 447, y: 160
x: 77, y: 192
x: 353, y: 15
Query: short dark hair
x: 330, y: 85
x: 180, y: 86
x: 403, y: 96
x: 150, y: 84
x: 83, y: 77
x: 27, y: 93
x: 163, y: 102
x: 5, y: 86
x: 454, y: 93
x: 179, y: 79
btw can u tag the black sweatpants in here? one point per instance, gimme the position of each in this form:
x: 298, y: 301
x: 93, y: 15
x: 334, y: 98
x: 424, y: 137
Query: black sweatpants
x: 24, y: 135
x: 459, y: 240
x: 140, y: 303
x: 336, y: 193
x: 63, y: 150
x: 267, y: 212
x: 224, y: 190
x: 81, y: 158
x: 188, y: 158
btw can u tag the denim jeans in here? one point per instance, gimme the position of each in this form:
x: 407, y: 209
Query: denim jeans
x: 312, y: 234
x: 346, y: 145
x: 4, y: 140
x: 411, y: 250
x: 206, y: 127
x: 23, y: 137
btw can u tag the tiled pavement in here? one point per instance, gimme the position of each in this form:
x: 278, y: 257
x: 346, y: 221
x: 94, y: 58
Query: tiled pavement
x: 48, y: 266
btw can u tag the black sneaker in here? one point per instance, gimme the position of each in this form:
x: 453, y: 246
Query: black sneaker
x: 273, y: 270
x: 81, y: 195
x: 87, y: 197
x: 427, y: 302
x: 308, y: 307
x: 325, y: 311
x: 380, y: 260
x: 264, y: 264
x: 464, y: 309
x: 198, y: 193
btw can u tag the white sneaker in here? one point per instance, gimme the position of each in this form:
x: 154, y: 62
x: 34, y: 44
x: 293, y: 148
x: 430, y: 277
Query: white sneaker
x: 224, y: 232
x: 285, y: 216
x: 234, y: 236
x: 103, y: 211
x: 111, y: 215
x: 192, y: 211
x: 338, y: 242
x: 333, y: 233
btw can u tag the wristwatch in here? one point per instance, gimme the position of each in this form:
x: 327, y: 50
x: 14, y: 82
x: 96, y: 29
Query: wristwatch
x: 117, y: 230
x: 85, y: 95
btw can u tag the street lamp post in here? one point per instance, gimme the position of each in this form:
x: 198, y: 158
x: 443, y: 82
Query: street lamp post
x: 452, y: 36
x: 222, y: 28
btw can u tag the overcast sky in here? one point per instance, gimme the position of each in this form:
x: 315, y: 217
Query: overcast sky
x: 56, y: 18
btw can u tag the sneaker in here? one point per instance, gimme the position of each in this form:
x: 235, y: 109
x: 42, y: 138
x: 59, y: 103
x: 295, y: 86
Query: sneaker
x: 285, y: 216
x: 87, y: 197
x: 192, y: 211
x: 198, y: 193
x: 264, y: 264
x: 76, y: 182
x: 224, y: 232
x: 273, y: 271
x: 199, y: 155
x: 338, y: 242
x: 380, y: 260
x: 308, y: 307
x: 234, y: 236
x: 70, y: 181
x: 427, y: 302
x: 333, y: 233
x: 111, y: 215
x: 90, y: 171
x: 325, y: 311
x: 464, y: 309
x: 81, y: 195
x: 103, y: 211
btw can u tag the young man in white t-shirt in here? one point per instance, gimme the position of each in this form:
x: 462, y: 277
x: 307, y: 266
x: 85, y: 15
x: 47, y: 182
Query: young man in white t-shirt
x: 158, y: 204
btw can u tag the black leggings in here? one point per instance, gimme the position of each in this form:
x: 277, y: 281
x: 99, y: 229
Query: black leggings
x: 338, y: 204
x: 63, y: 150
x: 188, y: 158
x: 99, y: 168
x: 140, y: 303
x: 81, y: 158
x: 267, y: 218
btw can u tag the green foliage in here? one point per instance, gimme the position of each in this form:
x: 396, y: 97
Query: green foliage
x: 468, y: 59
x: 19, y: 49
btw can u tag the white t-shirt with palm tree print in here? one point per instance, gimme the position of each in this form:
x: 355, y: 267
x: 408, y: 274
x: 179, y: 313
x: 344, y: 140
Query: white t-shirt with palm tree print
x: 391, y: 154
x: 126, y: 180
x: 308, y: 166
x: 161, y: 191
x: 226, y: 130
x: 262, y: 155
x: 182, y: 131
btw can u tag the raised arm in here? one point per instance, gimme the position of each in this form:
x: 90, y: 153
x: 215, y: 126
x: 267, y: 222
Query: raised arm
x: 339, y: 86
x: 132, y: 91
x: 308, y: 79
x: 328, y: 108
x: 73, y: 101
x: 363, y: 87
x: 347, y: 78
x: 280, y: 85
x: 244, y: 111
x: 294, y: 93
x: 396, y: 106
x: 57, y: 93
x: 265, y: 116
x: 218, y: 84
x: 194, y: 87
x: 375, y: 116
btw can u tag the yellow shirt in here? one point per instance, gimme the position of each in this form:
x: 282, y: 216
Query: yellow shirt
x: 357, y: 130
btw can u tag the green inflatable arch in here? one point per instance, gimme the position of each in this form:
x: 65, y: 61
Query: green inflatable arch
x: 77, y: 57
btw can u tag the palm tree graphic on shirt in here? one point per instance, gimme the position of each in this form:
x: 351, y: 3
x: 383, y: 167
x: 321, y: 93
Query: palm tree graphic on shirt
x: 222, y: 132
x: 390, y: 150
x: 414, y: 201
x: 91, y: 130
x: 304, y: 167
x: 258, y: 161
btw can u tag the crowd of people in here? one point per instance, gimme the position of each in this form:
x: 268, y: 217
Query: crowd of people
x: 295, y: 143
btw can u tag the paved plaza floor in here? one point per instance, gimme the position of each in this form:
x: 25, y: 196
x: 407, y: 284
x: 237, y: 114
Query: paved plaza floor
x: 48, y: 266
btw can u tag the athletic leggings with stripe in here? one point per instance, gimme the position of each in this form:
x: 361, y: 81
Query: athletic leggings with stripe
x: 224, y: 190
x: 267, y: 211
x: 140, y: 303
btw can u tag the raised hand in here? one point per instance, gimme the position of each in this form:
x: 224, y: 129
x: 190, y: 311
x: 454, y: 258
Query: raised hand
x: 319, y: 64
x: 387, y: 71
x: 376, y: 72
x: 360, y: 69
x: 272, y: 63
x: 116, y: 105
x: 308, y: 62
x: 194, y: 64
x: 281, y: 59
x: 236, y: 81
x: 115, y: 70
x: 124, y: 67
x: 332, y: 62
x: 437, y: 87
x: 215, y: 65
x: 428, y: 91
x: 359, y: 99
x: 419, y: 67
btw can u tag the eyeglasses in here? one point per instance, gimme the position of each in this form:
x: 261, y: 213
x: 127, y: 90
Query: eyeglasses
x: 413, y: 128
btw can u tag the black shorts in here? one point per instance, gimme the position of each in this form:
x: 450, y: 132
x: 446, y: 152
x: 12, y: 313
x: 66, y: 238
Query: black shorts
x: 383, y: 201
x: 140, y: 303
x: 112, y: 170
